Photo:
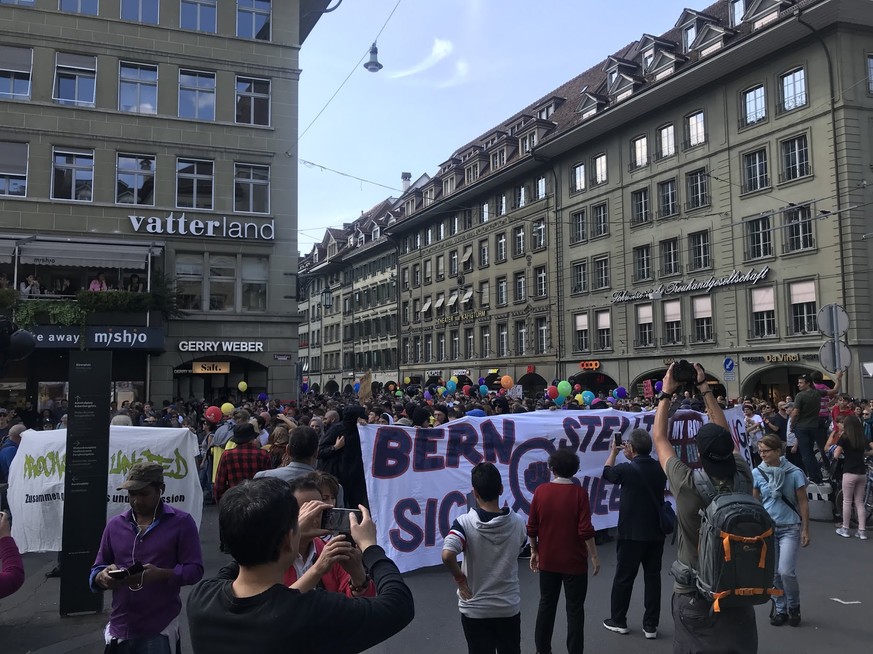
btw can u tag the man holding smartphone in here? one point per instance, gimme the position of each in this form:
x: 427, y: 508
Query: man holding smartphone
x: 146, y: 555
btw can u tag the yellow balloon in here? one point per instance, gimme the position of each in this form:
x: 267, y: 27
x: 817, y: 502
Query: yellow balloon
x: 227, y: 408
x: 579, y: 398
x: 406, y: 380
x: 243, y: 387
x: 454, y: 379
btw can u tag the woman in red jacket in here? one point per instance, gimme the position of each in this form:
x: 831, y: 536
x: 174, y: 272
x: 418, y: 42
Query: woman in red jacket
x: 561, y: 534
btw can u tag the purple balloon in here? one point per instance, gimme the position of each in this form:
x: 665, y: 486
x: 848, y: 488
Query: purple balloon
x: 658, y: 386
x: 610, y: 399
x: 263, y: 397
x: 621, y: 392
x: 481, y: 381
x: 427, y: 395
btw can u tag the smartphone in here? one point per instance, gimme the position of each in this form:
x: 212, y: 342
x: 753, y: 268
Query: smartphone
x: 124, y: 573
x: 337, y: 520
x: 616, y: 438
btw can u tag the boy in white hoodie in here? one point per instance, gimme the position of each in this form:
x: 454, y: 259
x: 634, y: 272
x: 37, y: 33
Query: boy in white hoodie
x: 491, y: 539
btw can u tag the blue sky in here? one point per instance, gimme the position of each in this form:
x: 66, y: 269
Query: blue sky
x: 452, y: 70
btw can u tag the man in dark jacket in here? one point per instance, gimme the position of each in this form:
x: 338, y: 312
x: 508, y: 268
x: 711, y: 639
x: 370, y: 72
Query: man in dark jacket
x: 640, y: 539
x: 339, y: 453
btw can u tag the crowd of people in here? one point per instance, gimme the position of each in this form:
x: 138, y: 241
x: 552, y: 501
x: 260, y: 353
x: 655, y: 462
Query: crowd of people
x: 67, y: 285
x: 275, y: 467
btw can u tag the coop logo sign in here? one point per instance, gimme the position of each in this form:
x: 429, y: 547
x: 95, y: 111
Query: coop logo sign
x: 750, y: 277
x: 210, y: 228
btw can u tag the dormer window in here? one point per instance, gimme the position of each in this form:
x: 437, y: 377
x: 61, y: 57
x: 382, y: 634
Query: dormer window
x: 546, y: 112
x: 490, y: 142
x: 528, y: 142
x: 448, y: 185
x: 471, y: 173
x: 351, y: 241
x: 612, y: 75
x: 315, y: 257
x: 498, y: 159
x: 738, y: 8
x: 428, y: 196
x: 688, y: 36
x: 374, y: 234
x: 362, y: 239
x: 648, y: 58
x: 409, y: 207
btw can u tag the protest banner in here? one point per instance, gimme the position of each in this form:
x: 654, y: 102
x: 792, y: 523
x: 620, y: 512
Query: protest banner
x: 36, y: 478
x: 418, y: 480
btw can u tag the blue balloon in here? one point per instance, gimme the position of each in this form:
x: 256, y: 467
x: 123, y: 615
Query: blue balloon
x: 357, y: 387
x: 451, y: 386
x: 588, y: 397
x: 483, y: 389
x: 559, y: 400
x: 481, y: 381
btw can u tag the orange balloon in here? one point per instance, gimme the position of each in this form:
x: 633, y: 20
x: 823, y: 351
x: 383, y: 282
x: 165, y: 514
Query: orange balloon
x: 506, y: 382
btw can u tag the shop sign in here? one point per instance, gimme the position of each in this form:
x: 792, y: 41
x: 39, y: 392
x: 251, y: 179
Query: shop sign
x: 210, y: 367
x: 433, y: 373
x: 463, y: 316
x: 780, y: 357
x: 99, y: 338
x: 282, y: 357
x: 221, y: 346
x: 208, y: 228
x: 181, y: 371
x: 461, y: 372
x: 589, y: 365
x: 750, y: 277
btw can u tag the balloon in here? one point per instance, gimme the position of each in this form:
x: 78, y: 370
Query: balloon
x: 481, y: 381
x: 453, y: 379
x: 398, y: 393
x: 614, y: 393
x: 406, y: 380
x: 659, y: 385
x: 263, y: 397
x: 552, y: 392
x: 564, y: 388
x: 579, y: 399
x: 577, y: 388
x: 621, y: 392
x: 451, y: 386
x: 391, y: 388
x: 213, y: 414
x: 559, y: 400
x: 445, y: 391
x: 588, y: 397
x: 427, y: 395
x: 243, y: 387
x: 483, y: 389
x: 227, y: 408
x: 357, y: 387
x: 466, y: 389
x: 506, y: 381
x: 610, y: 400
x: 303, y: 387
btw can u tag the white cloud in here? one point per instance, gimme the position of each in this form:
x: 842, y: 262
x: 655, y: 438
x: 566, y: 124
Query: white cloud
x: 462, y: 73
x: 441, y: 49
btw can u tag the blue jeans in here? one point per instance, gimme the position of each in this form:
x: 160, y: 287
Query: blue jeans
x: 805, y: 441
x: 159, y: 644
x: 785, y: 579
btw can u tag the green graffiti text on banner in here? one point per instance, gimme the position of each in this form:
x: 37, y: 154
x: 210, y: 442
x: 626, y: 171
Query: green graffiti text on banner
x: 174, y: 468
x: 48, y: 465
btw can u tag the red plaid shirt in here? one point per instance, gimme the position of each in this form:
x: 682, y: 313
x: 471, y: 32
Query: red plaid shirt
x: 239, y: 464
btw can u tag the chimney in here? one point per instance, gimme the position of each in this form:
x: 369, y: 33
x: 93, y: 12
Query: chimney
x: 406, y: 178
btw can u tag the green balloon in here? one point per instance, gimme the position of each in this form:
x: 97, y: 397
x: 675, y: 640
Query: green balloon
x: 398, y: 393
x: 564, y: 388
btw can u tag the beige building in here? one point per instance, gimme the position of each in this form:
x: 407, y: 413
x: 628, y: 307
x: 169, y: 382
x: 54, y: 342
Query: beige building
x: 146, y: 141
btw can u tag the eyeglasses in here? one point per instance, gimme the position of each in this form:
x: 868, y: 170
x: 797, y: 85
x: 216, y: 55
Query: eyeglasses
x: 763, y: 451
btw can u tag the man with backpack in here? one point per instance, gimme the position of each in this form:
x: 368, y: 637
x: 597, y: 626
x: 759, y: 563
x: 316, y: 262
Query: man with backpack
x: 716, y: 587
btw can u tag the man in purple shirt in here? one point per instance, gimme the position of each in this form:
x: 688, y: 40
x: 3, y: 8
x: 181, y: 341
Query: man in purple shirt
x: 165, y: 540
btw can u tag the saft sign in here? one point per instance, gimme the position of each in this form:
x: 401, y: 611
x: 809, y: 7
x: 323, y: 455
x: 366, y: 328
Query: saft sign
x: 221, y: 346
x: 211, y: 228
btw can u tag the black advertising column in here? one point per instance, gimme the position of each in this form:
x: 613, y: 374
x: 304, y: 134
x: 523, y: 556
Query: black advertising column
x: 86, y: 477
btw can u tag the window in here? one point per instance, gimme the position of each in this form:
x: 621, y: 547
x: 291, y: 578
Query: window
x: 73, y: 175
x: 520, y: 285
x: 75, y: 79
x: 754, y: 106
x: 604, y: 331
x: 416, y: 275
x: 448, y: 185
x: 13, y: 169
x: 520, y: 196
x: 520, y: 337
x: 500, y: 247
x: 601, y: 220
x: 483, y: 252
x: 454, y: 345
x: 196, y: 95
x: 600, y: 169
x: 467, y: 260
x: 198, y: 15
x: 538, y: 234
x: 759, y: 238
x: 141, y: 11
x: 528, y: 142
x: 428, y: 236
x: 668, y: 201
x: 670, y: 257
x: 795, y: 158
x: 639, y: 152
x: 189, y: 281
x: 580, y: 343
x: 577, y: 226
x: 803, y: 308
x: 798, y: 228
x: 870, y: 73
x: 645, y: 329
x: 222, y: 283
x: 502, y: 340
x: 501, y: 291
x: 642, y: 263
x: 88, y: 7
x: 755, y: 175
x: 601, y: 272
x: 698, y: 189
x: 688, y: 36
x: 501, y: 204
x: 471, y: 173
x: 518, y: 241
x: 428, y: 347
x: 440, y: 267
x: 542, y: 288
x: 577, y: 183
x: 138, y: 88
x: 428, y: 271
x: 484, y: 294
x: 428, y: 196
x: 640, y: 207
x: 484, y: 212
x: 15, y: 70
x: 698, y: 245
x: 253, y: 19
x: 672, y: 310
x: 540, y: 188
x: 255, y: 273
x: 252, y: 101
x: 453, y: 263
x: 485, y: 341
x: 738, y: 8
x: 251, y: 186
x: 666, y: 145
x: 541, y: 325
x: 498, y: 159
x: 793, y: 89
x: 695, y: 130
x: 469, y: 343
x: 23, y: 3
x: 194, y: 184
x: 648, y: 58
x: 580, y: 277
x: 763, y: 313
x: 135, y: 179
x: 702, y: 309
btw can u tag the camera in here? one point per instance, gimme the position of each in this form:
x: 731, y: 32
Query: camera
x: 684, y: 372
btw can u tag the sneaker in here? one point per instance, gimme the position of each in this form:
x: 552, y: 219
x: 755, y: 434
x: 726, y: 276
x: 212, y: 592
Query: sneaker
x: 650, y: 632
x: 842, y: 531
x: 778, y: 619
x: 861, y: 534
x: 616, y: 627
x: 794, y: 616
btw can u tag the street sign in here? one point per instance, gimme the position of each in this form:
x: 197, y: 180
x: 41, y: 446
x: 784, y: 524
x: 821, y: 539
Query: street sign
x: 729, y: 364
x: 833, y: 321
x: 834, y: 355
x: 730, y: 375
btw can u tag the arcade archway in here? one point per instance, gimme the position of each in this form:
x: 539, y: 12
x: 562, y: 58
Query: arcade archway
x: 596, y: 382
x: 532, y: 383
x: 774, y: 382
x: 331, y: 387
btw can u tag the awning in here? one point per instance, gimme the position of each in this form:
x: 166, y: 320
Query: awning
x: 7, y: 248
x: 426, y: 307
x: 468, y: 295
x: 453, y: 299
x: 87, y: 255
x: 439, y: 302
x: 467, y: 255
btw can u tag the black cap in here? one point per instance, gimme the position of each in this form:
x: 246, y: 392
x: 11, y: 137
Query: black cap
x: 716, y: 448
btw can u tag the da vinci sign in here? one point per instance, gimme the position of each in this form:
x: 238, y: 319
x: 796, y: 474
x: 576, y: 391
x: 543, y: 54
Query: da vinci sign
x: 750, y: 277
x: 204, y: 227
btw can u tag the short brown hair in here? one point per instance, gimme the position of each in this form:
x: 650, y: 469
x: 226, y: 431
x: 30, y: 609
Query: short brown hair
x: 772, y: 442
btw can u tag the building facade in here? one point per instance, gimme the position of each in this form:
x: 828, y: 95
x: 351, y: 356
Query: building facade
x: 143, y: 150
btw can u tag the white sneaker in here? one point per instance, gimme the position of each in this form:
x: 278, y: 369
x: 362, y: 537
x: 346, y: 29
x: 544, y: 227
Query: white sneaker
x: 842, y: 531
x: 651, y: 635
x: 861, y: 534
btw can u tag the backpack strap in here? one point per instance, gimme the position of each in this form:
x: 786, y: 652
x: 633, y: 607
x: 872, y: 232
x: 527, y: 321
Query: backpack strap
x: 704, y: 486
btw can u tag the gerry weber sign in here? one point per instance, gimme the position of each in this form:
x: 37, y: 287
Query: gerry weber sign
x: 210, y: 228
x: 750, y: 277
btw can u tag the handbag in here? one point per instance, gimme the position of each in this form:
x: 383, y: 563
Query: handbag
x: 666, y: 514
